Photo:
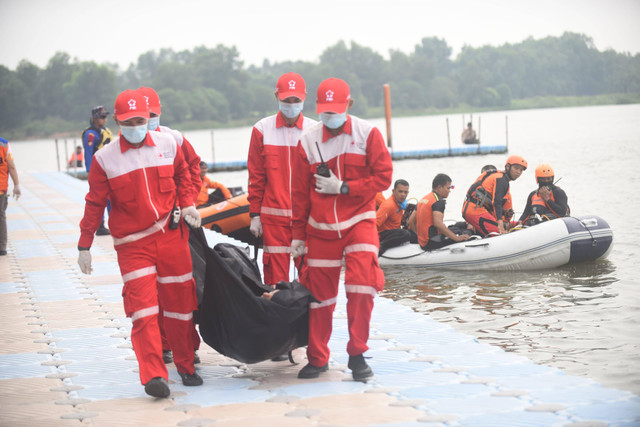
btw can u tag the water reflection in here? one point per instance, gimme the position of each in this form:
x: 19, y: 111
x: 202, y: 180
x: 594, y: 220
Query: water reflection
x: 556, y: 317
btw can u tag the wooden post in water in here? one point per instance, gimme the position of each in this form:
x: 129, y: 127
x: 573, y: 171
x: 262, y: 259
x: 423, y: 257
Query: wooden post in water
x: 387, y: 112
x: 506, y: 127
x: 66, y: 153
x: 213, y: 151
x: 57, y: 155
x: 448, y: 136
x: 479, y: 139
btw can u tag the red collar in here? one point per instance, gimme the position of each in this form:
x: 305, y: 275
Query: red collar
x: 125, y: 145
x: 346, y: 128
x: 280, y: 122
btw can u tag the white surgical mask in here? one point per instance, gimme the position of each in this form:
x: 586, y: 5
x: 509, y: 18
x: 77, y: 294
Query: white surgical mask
x: 291, y: 111
x: 134, y: 134
x: 333, y: 121
x: 153, y: 123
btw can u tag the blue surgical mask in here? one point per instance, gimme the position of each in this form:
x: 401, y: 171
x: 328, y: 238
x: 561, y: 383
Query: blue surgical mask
x: 134, y: 134
x: 291, y: 111
x: 403, y: 205
x: 333, y: 121
x: 153, y: 123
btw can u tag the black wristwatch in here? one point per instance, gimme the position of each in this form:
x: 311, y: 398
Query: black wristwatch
x: 344, y: 188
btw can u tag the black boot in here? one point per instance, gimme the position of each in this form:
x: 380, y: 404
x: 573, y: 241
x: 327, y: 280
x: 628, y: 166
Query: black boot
x: 311, y: 371
x: 359, y: 368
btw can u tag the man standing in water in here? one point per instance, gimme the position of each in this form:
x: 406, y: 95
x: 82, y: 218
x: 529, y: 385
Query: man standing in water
x: 334, y: 216
x: 139, y: 172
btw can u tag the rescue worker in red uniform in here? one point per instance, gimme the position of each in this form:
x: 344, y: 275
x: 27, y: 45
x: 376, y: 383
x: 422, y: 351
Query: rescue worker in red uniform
x: 7, y: 169
x: 334, y: 216
x: 193, y: 162
x: 430, y: 227
x: 139, y: 172
x: 271, y: 153
x: 488, y: 204
x: 547, y: 202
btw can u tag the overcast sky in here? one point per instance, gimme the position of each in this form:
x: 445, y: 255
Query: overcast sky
x: 118, y: 31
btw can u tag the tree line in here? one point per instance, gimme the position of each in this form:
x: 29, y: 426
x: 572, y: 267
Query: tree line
x: 212, y: 85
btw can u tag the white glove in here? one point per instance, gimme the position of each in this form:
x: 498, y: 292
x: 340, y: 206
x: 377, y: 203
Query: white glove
x: 298, y: 248
x: 191, y: 216
x: 84, y: 261
x: 16, y: 191
x: 330, y: 185
x: 256, y: 226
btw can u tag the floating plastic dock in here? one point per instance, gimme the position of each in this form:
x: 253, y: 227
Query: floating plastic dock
x: 66, y: 356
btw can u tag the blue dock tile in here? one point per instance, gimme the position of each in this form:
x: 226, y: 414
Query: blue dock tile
x: 514, y: 419
x: 418, y: 379
x: 113, y: 379
x: 108, y: 391
x: 613, y: 412
x: 23, y: 365
x: 95, y: 354
x: 445, y: 391
x: 315, y: 389
x: 206, y: 397
x: 477, y: 405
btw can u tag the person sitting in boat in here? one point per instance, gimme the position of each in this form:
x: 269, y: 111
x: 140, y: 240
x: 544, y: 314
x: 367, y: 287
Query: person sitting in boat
x: 469, y: 135
x: 389, y: 218
x: 204, y: 198
x: 488, y: 206
x: 77, y: 158
x: 488, y: 168
x: 547, y: 202
x: 429, y: 217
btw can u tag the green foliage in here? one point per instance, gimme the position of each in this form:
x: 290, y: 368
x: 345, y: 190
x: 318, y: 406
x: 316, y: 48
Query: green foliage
x: 211, y: 86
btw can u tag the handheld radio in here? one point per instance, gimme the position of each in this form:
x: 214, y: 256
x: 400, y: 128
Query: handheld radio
x: 322, y: 169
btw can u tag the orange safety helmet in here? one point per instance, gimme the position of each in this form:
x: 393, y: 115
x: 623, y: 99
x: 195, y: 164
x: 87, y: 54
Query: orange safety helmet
x: 516, y: 160
x: 544, y: 170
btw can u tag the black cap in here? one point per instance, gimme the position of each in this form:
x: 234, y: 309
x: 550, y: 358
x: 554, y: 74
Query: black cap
x: 99, y: 112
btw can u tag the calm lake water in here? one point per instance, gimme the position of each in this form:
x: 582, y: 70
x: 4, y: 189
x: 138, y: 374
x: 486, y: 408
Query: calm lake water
x: 585, y: 318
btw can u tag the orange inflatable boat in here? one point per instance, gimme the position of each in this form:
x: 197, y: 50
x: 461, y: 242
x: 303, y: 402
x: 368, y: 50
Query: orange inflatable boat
x: 230, y: 217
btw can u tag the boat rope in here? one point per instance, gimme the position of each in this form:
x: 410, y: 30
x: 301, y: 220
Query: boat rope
x: 594, y: 241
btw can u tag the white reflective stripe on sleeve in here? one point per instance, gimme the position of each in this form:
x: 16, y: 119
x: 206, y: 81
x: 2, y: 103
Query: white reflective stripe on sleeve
x: 175, y: 279
x: 360, y: 289
x: 149, y: 311
x: 344, y: 224
x: 361, y: 247
x: 179, y: 316
x: 314, y: 262
x: 276, y: 211
x: 141, y: 272
x: 276, y: 249
x: 157, y: 226
x: 325, y: 303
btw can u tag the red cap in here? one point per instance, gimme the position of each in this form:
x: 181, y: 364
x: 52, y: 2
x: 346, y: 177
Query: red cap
x: 291, y: 84
x: 153, y: 100
x: 333, y: 96
x: 130, y: 103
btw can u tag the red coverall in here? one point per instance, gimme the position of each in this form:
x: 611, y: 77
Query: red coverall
x: 193, y: 162
x: 271, y: 152
x: 334, y: 226
x: 154, y: 261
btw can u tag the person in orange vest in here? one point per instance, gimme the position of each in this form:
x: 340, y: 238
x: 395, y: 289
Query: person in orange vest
x: 390, y: 212
x: 488, y: 206
x: 429, y: 218
x: 547, y: 202
x: 7, y: 169
x: 77, y: 158
x: 204, y: 198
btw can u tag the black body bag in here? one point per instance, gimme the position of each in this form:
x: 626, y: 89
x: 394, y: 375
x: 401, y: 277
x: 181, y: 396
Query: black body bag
x: 234, y: 319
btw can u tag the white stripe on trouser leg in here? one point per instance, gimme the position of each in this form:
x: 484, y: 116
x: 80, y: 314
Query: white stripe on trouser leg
x: 149, y: 311
x: 361, y: 247
x: 179, y: 316
x: 330, y: 263
x: 360, y: 289
x: 276, y: 249
x: 175, y: 279
x: 325, y: 303
x: 141, y: 272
